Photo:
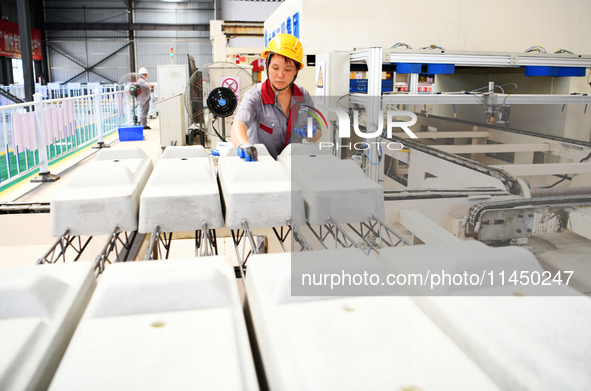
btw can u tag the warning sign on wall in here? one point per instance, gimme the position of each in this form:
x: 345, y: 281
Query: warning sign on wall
x: 232, y: 83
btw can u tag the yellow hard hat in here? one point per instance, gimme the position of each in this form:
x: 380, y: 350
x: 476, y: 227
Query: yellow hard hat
x: 287, y: 45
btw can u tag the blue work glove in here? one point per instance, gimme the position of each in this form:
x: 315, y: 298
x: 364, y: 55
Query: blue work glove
x: 303, y: 132
x: 248, y: 152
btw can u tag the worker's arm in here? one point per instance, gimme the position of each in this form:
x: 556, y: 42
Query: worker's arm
x: 316, y: 136
x: 303, y: 133
x: 317, y: 133
x: 246, y: 150
x: 239, y: 133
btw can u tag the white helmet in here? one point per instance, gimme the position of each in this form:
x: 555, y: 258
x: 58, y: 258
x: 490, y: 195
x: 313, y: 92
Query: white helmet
x: 143, y: 71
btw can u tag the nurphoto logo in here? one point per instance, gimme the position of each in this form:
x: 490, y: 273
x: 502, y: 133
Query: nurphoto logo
x: 344, y: 127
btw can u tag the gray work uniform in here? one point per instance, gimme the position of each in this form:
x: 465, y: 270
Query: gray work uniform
x: 267, y: 123
x: 143, y: 99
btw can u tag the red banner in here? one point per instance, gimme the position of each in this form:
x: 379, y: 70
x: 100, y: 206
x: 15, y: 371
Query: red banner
x: 10, y: 43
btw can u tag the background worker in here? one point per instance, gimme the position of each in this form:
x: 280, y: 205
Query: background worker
x: 272, y: 113
x: 143, y: 96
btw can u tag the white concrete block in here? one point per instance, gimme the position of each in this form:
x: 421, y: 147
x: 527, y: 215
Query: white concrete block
x: 161, y: 325
x: 349, y: 343
x: 305, y: 149
x: 103, y: 194
x: 182, y: 193
x: 260, y: 192
x: 332, y: 187
x: 435, y: 262
x: 522, y: 342
x: 40, y: 306
x: 188, y: 151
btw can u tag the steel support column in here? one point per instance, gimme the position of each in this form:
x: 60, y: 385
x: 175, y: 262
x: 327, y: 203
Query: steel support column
x: 24, y: 28
x: 130, y: 17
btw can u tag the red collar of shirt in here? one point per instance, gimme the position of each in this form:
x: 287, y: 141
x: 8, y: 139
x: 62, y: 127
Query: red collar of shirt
x: 269, y: 96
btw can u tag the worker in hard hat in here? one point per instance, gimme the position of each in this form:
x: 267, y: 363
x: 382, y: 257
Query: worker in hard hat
x: 274, y: 113
x: 143, y: 96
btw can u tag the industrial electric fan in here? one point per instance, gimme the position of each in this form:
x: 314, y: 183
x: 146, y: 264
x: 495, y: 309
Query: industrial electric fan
x: 216, y: 88
x: 130, y: 82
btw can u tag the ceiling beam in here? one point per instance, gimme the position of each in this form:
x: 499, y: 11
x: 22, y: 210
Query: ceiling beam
x: 123, y: 27
x: 127, y: 4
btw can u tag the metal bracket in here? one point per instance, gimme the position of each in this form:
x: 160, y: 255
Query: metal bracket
x: 64, y: 242
x: 237, y: 236
x: 118, y: 246
x: 296, y: 237
x: 206, y: 241
x: 505, y: 224
x: 158, y: 240
x: 374, y: 229
x: 334, y: 230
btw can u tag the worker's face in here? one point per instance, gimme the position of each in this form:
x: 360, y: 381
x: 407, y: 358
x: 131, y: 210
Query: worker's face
x: 282, y: 71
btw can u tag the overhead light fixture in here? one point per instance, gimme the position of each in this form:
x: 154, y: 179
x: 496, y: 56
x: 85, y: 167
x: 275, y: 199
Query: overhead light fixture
x: 175, y: 1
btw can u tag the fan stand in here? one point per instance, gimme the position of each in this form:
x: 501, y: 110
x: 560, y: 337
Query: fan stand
x: 223, y: 128
x: 134, y: 111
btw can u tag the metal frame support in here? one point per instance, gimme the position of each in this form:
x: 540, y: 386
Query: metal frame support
x: 383, y: 229
x: 374, y: 229
x: 237, y: 236
x: 339, y: 235
x: 158, y: 240
x: 206, y: 242
x: 161, y: 242
x: 380, y: 234
x: 90, y: 68
x: 118, y: 246
x: 59, y: 249
x: 296, y: 237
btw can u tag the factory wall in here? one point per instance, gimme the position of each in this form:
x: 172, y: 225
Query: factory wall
x: 475, y: 25
x: 70, y: 51
x: 153, y: 47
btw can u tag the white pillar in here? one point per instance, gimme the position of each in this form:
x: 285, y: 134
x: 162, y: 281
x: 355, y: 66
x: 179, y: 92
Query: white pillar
x: 40, y: 130
x: 98, y: 115
x: 44, y: 174
x: 374, y: 93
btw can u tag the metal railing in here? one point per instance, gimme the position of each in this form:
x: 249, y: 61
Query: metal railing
x: 35, y: 133
x: 57, y: 90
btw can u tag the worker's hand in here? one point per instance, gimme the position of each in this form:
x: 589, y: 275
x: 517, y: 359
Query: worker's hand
x: 248, y: 152
x: 303, y: 132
